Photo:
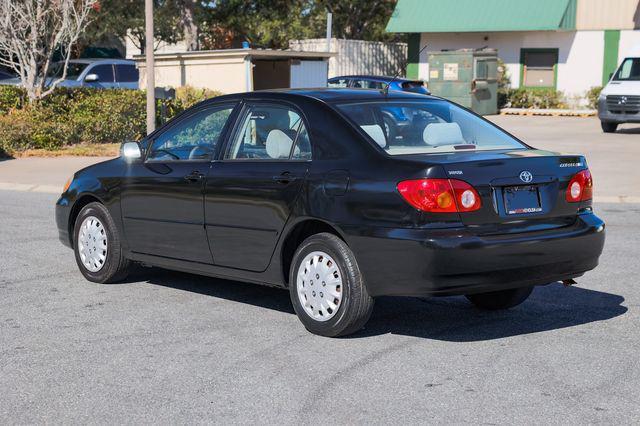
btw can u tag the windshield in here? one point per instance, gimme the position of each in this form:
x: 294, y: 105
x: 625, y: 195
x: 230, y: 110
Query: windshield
x: 73, y: 70
x: 629, y: 70
x: 427, y: 126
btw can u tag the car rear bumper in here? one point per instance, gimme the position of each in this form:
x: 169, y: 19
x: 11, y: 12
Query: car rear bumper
x: 421, y: 262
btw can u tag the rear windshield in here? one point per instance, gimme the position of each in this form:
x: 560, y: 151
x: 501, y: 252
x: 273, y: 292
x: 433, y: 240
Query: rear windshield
x: 426, y: 126
x: 415, y: 87
x: 629, y: 70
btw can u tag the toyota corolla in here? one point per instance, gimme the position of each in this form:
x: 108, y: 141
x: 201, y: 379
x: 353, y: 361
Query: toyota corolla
x: 317, y: 191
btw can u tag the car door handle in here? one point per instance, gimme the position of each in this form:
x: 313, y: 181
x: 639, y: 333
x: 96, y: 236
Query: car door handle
x: 194, y: 176
x: 285, y: 178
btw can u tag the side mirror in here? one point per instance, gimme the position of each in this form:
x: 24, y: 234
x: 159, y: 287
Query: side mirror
x: 131, y: 151
x: 91, y: 78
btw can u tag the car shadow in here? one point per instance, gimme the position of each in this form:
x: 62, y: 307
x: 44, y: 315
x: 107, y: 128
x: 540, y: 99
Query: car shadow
x: 451, y: 319
x: 631, y: 131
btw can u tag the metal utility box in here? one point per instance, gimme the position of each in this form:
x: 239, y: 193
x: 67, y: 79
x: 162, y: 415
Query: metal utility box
x: 466, y: 76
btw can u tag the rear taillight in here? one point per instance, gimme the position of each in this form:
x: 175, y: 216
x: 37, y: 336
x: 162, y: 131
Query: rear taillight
x: 580, y: 187
x: 440, y: 195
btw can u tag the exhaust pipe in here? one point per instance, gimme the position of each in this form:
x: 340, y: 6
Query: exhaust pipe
x: 569, y: 282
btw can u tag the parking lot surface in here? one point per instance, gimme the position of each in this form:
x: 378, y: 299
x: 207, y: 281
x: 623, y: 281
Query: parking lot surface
x: 167, y: 347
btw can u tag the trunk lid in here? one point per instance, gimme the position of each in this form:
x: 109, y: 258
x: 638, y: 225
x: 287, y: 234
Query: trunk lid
x: 521, y: 190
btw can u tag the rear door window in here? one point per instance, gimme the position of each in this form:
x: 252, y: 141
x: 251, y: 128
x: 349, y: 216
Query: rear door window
x: 270, y: 132
x: 126, y: 73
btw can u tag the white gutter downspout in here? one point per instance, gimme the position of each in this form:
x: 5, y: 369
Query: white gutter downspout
x: 248, y: 71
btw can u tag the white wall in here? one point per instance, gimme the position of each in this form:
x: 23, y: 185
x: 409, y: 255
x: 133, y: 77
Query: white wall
x: 309, y: 74
x: 580, y: 53
x: 629, y: 44
x: 357, y: 56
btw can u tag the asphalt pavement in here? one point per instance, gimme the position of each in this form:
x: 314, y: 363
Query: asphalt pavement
x: 167, y: 347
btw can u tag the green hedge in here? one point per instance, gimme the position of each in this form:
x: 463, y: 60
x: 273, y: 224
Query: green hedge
x: 534, y: 98
x: 73, y: 116
x: 592, y: 96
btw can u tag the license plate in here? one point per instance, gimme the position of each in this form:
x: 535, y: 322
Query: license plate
x: 521, y: 199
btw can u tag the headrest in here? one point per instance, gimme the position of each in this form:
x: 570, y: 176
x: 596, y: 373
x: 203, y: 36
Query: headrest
x: 436, y: 134
x: 376, y: 133
x: 278, y: 144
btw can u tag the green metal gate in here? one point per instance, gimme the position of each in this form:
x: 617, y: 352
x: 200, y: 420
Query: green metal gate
x: 468, y: 77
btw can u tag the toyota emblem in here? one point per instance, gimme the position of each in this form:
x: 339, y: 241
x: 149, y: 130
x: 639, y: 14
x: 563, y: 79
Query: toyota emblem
x: 526, y: 176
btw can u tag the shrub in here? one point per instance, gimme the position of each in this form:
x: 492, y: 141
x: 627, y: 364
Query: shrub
x: 81, y: 115
x: 11, y: 97
x: 592, y: 96
x: 108, y: 116
x: 535, y: 98
x: 186, y: 97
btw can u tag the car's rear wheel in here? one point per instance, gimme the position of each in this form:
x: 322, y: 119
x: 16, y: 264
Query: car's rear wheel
x: 503, y: 299
x: 97, y: 246
x: 608, y: 126
x: 326, y: 287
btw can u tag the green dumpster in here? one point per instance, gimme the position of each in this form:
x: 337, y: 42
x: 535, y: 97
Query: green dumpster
x: 466, y: 76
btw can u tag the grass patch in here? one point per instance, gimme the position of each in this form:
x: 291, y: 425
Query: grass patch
x: 81, y: 150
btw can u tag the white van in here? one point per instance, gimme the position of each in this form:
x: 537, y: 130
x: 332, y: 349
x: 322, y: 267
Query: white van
x: 619, y: 101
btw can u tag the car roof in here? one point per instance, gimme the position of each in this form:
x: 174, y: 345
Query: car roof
x: 329, y: 95
x: 382, y: 78
x: 104, y: 60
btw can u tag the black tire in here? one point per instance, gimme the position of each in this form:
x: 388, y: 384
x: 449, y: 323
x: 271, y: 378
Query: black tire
x: 356, y: 305
x: 116, y: 266
x: 608, y: 126
x: 503, y: 299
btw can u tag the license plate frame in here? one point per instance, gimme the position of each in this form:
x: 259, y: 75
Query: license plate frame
x: 522, y: 199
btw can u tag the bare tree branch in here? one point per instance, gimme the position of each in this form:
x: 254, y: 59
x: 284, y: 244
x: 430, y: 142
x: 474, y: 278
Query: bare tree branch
x: 32, y: 31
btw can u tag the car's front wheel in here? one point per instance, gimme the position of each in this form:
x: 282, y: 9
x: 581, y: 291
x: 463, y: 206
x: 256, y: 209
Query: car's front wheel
x: 97, y: 246
x: 503, y: 299
x: 326, y: 287
x: 608, y: 126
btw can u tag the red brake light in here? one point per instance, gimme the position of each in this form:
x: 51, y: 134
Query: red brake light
x: 440, y: 195
x: 580, y: 187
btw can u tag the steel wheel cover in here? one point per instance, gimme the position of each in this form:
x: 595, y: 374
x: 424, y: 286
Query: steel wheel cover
x: 319, y: 286
x: 92, y: 244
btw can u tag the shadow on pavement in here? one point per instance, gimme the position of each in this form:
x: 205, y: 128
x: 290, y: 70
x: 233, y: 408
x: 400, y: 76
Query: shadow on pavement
x: 451, y: 319
x: 632, y: 131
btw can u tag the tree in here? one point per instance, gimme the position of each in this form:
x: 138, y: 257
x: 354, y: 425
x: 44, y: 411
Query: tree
x: 360, y: 19
x: 188, y: 23
x: 264, y: 23
x: 125, y: 19
x: 32, y: 31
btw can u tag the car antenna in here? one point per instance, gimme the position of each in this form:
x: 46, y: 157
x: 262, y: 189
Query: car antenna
x: 385, y: 89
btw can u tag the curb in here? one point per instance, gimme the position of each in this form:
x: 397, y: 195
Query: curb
x: 51, y: 189
x: 549, y: 112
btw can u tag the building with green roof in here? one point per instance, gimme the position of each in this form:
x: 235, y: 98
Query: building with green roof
x: 569, y: 45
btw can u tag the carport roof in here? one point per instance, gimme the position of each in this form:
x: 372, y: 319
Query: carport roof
x: 438, y: 16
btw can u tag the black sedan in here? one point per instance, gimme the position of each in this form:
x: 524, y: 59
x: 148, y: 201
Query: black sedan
x: 309, y: 190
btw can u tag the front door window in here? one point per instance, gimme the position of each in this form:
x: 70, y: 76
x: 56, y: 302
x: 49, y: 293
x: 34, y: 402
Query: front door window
x: 193, y: 138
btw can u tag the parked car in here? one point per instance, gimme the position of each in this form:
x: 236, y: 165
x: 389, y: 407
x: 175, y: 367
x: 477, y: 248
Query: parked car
x: 4, y: 75
x: 377, y: 82
x: 303, y: 189
x: 619, y: 101
x: 95, y: 73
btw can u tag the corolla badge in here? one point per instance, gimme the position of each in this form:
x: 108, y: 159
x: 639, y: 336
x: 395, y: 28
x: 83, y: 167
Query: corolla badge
x: 526, y: 176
